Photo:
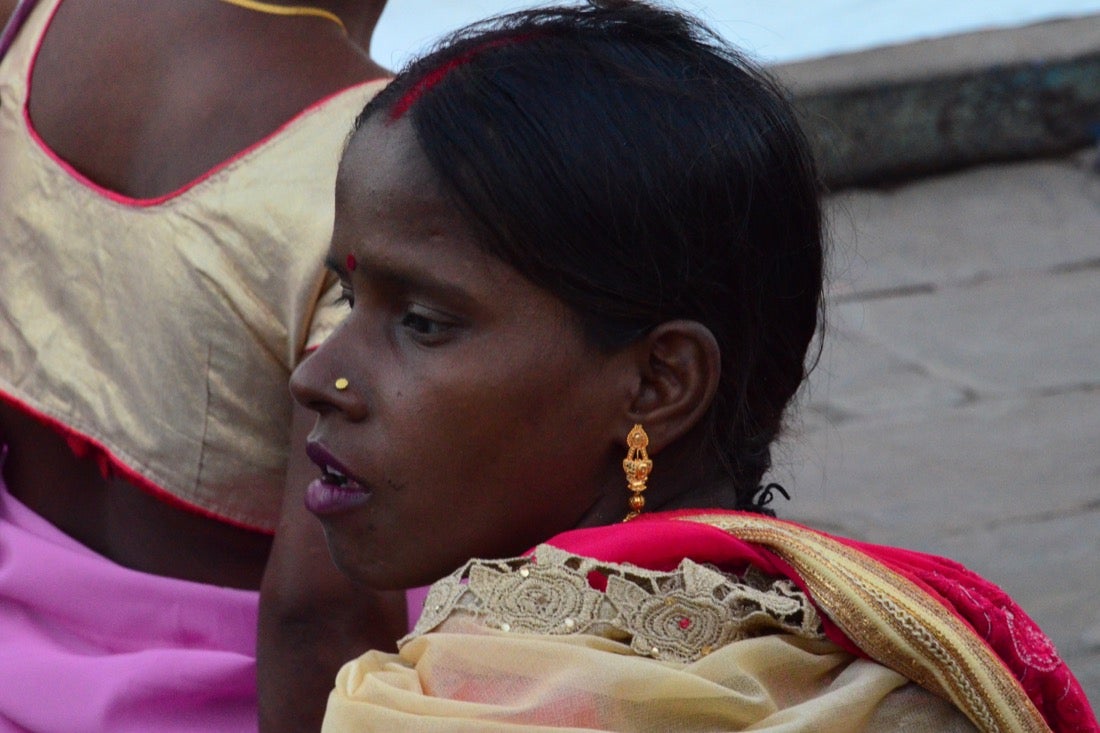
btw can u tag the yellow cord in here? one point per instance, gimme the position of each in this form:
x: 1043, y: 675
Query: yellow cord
x: 261, y: 7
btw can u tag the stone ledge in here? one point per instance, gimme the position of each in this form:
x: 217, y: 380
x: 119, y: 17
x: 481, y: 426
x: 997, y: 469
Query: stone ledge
x: 888, y: 114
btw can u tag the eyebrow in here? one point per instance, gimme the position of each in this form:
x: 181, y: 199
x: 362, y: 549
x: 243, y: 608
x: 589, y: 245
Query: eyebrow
x: 403, y: 279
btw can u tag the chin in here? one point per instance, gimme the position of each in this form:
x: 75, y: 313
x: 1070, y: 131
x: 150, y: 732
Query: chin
x: 371, y: 571
x: 346, y: 562
x: 368, y: 572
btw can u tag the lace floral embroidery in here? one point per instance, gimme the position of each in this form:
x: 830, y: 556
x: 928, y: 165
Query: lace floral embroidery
x: 679, y: 616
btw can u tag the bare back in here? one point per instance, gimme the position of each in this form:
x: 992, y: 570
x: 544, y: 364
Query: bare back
x: 142, y: 97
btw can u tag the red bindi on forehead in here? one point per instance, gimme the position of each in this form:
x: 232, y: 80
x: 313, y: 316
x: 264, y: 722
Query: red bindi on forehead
x: 352, y: 263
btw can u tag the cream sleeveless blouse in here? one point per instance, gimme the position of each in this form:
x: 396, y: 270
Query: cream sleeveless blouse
x: 163, y: 331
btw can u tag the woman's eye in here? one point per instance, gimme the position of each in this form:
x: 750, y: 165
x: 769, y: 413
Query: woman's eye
x: 346, y: 296
x: 423, y: 325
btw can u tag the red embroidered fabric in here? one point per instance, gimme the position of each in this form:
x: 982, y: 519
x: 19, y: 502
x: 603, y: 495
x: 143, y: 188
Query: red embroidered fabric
x: 659, y: 541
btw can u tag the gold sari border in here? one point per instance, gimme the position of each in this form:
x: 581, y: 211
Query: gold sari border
x: 895, y: 622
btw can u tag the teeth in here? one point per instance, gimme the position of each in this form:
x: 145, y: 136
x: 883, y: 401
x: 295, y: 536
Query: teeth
x: 335, y: 476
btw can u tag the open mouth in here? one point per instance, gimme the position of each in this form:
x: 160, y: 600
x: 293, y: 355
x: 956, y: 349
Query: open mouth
x: 333, y: 473
x: 333, y: 476
x: 335, y: 491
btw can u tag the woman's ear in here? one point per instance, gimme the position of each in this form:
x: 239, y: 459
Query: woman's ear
x: 679, y: 365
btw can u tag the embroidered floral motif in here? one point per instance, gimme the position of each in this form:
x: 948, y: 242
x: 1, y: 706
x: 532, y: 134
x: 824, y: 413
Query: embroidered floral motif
x: 441, y: 597
x: 533, y: 599
x: 680, y: 616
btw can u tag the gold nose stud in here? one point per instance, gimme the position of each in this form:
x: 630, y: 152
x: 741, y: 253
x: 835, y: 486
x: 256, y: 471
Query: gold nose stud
x: 341, y: 384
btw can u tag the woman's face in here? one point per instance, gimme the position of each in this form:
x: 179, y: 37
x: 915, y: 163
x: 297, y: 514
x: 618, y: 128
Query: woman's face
x: 476, y: 421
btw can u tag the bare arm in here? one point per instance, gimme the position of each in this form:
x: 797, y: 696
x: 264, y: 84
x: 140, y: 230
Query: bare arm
x: 312, y: 619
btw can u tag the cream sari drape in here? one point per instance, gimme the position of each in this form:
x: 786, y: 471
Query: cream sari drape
x: 467, y: 677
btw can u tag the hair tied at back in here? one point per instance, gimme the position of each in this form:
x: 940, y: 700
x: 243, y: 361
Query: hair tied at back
x: 764, y: 496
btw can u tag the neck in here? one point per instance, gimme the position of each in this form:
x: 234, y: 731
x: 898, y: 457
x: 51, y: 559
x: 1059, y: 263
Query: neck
x: 360, y: 17
x: 687, y: 478
x: 681, y: 479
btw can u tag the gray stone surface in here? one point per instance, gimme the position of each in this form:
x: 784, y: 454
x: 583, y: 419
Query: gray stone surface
x: 999, y: 336
x: 904, y: 478
x: 980, y: 223
x: 956, y: 407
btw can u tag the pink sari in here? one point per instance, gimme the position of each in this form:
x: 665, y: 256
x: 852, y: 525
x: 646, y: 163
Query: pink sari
x: 1009, y: 668
x: 87, y: 645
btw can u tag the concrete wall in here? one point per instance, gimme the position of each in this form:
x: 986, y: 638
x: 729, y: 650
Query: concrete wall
x: 899, y: 112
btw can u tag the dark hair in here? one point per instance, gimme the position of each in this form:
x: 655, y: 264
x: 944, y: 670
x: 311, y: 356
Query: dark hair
x: 625, y: 159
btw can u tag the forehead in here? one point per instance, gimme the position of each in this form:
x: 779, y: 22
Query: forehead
x: 388, y: 199
x: 393, y: 214
x: 385, y: 161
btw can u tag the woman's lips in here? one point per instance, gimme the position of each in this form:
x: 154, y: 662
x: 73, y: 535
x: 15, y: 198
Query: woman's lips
x: 323, y: 497
x: 336, y: 490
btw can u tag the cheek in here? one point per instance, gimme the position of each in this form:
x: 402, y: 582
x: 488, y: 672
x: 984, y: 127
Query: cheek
x: 460, y: 435
x: 485, y: 463
x: 530, y: 428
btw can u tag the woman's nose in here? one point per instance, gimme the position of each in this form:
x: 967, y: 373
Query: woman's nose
x: 319, y: 385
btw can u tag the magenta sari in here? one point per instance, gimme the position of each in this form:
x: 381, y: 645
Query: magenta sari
x: 88, y: 645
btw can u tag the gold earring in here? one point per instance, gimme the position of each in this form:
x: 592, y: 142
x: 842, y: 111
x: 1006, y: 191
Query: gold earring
x: 341, y: 384
x: 637, y: 466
